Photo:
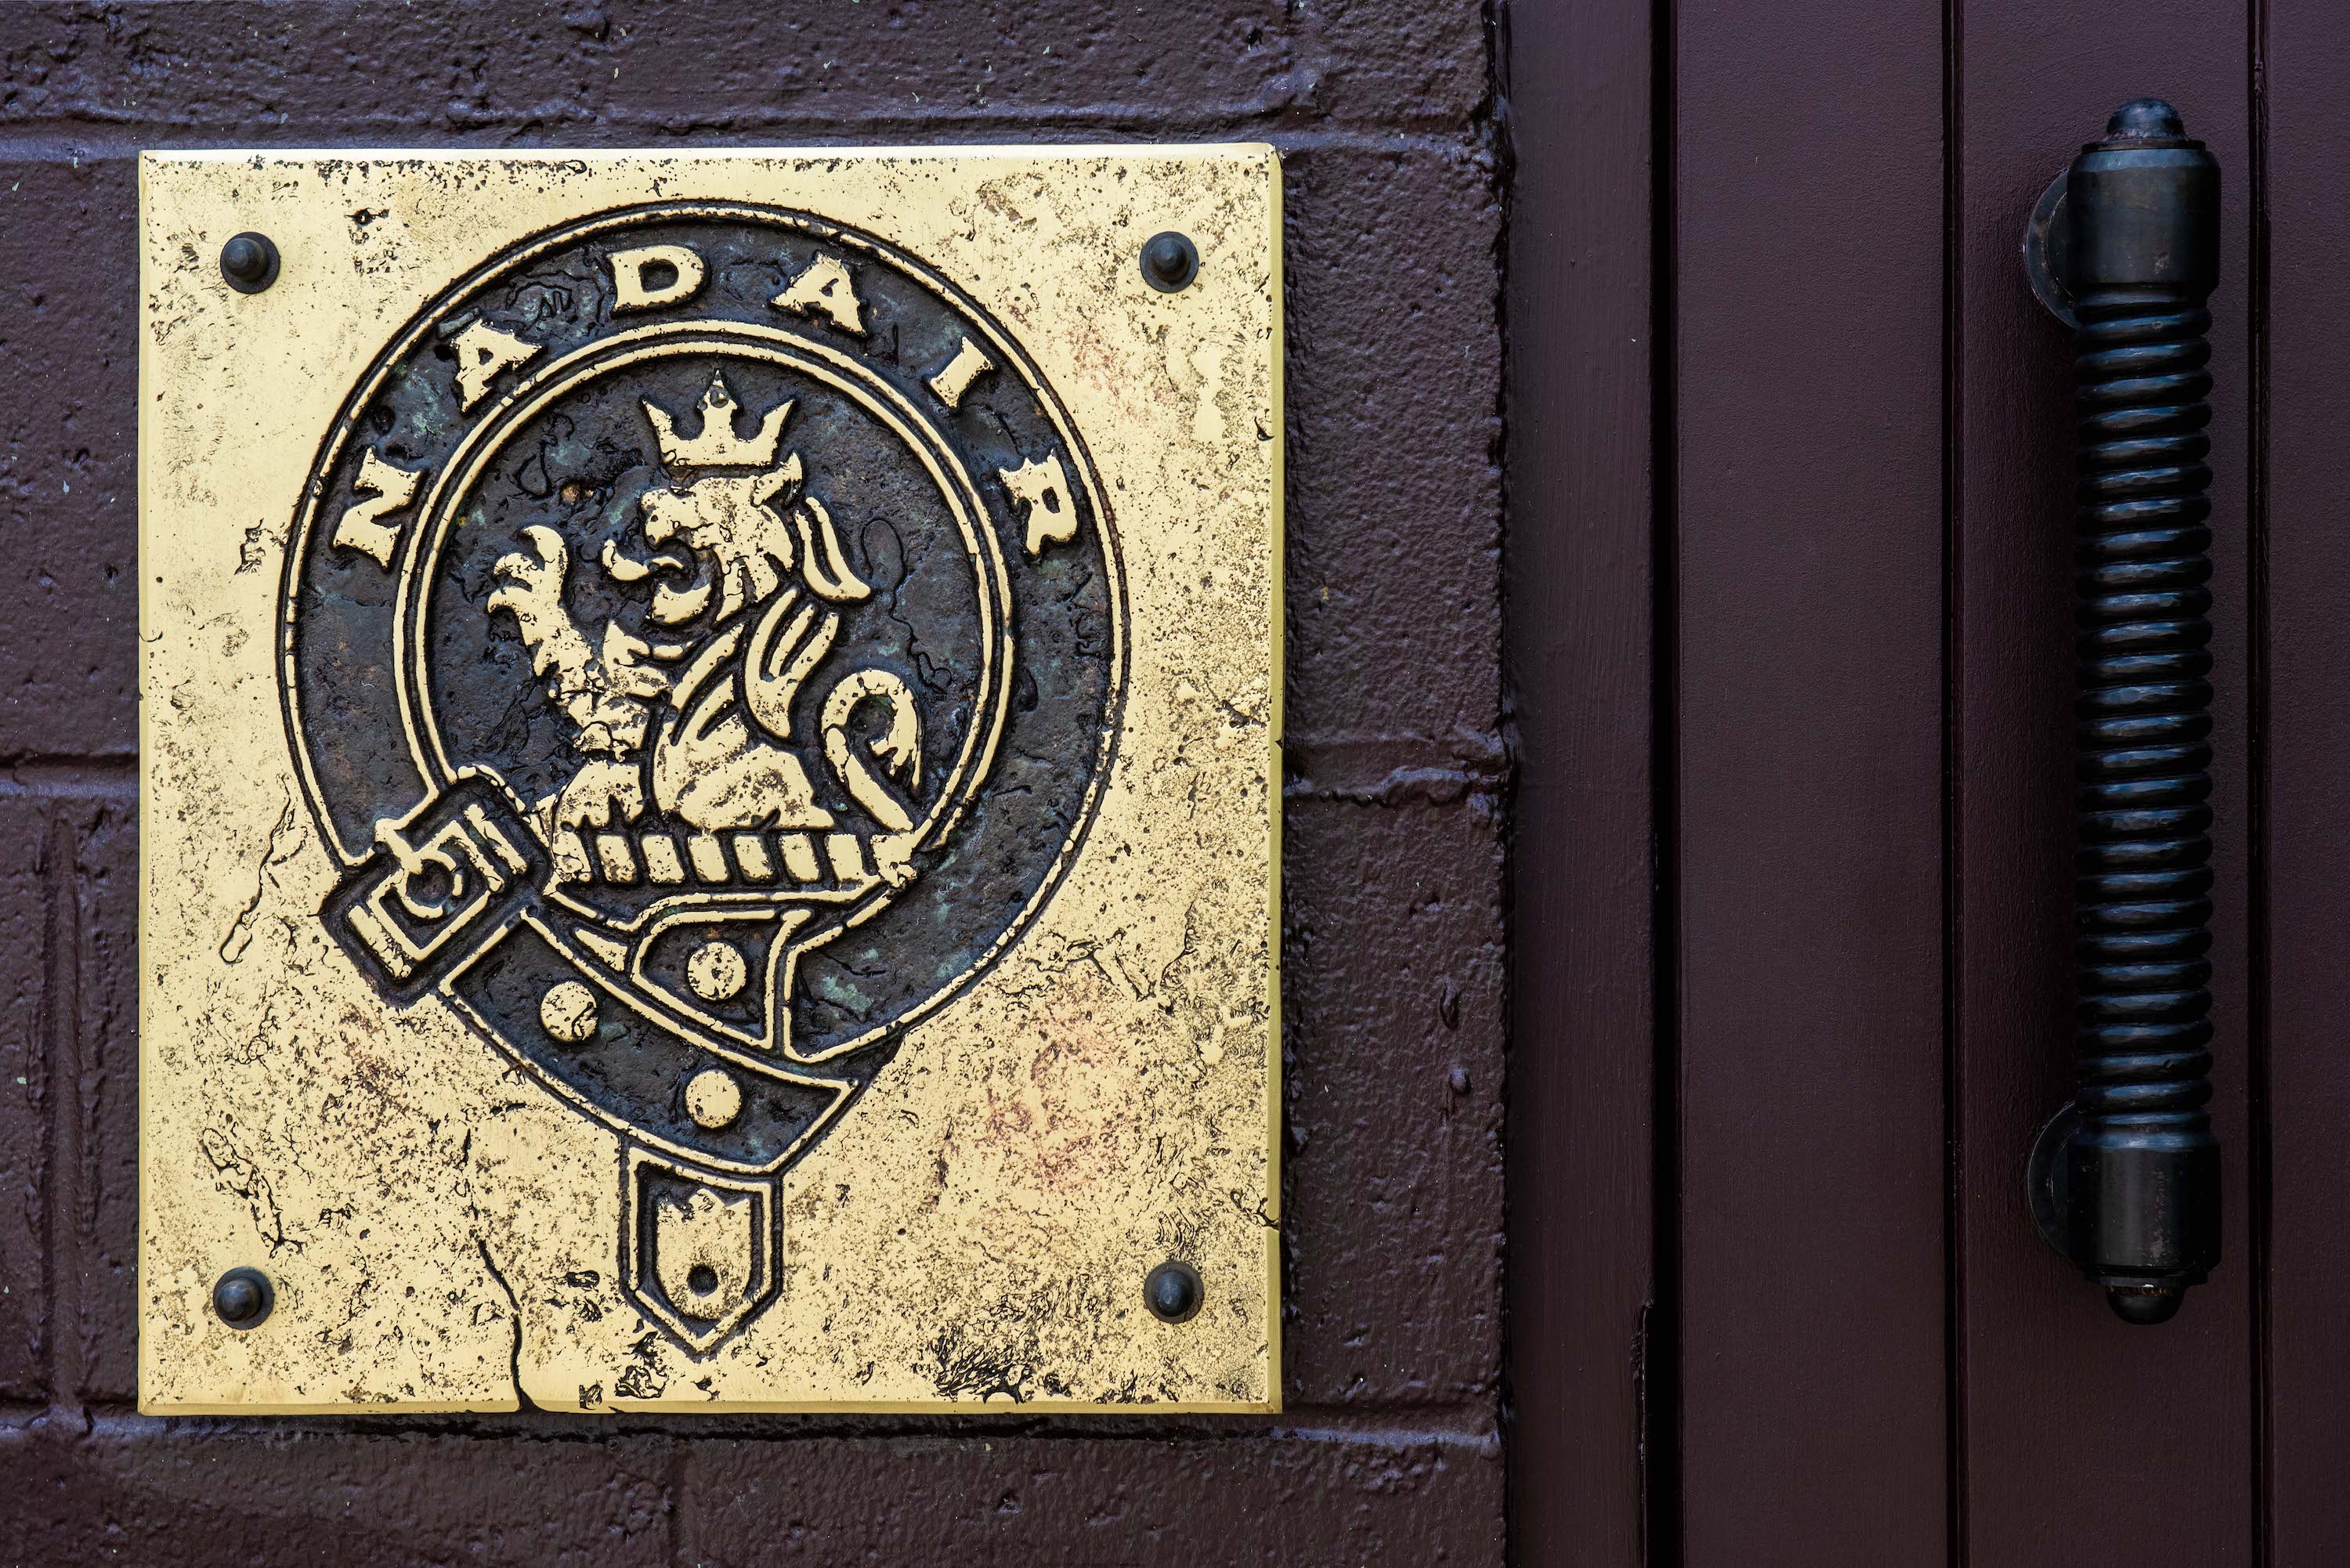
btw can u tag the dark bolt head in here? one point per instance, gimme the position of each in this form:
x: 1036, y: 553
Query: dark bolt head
x: 243, y: 1297
x: 1172, y: 1291
x: 249, y: 263
x: 2145, y: 1303
x: 1170, y: 262
x: 2146, y: 116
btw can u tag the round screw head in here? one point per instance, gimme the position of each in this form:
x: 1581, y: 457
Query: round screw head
x: 243, y: 1297
x: 1170, y: 262
x: 2150, y: 117
x: 2149, y: 1303
x: 1172, y: 1291
x: 249, y: 262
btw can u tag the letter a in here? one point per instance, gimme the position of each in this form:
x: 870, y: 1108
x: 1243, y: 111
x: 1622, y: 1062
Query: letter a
x: 825, y: 288
x: 481, y: 352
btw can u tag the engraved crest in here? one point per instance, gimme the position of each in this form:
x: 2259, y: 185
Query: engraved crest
x: 703, y: 639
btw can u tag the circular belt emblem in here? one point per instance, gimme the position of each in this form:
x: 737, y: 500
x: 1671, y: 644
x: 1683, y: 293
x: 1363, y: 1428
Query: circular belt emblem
x: 703, y: 638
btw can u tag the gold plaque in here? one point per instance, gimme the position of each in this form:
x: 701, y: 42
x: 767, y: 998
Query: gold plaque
x: 710, y: 788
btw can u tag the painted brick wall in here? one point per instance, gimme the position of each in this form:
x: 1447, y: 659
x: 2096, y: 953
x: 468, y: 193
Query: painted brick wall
x: 1394, y: 937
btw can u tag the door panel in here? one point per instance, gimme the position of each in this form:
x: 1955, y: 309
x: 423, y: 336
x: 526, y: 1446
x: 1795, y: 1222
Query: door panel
x: 2305, y: 219
x: 1592, y: 1354
x: 2078, y: 1434
x: 1807, y: 464
x: 1859, y: 1350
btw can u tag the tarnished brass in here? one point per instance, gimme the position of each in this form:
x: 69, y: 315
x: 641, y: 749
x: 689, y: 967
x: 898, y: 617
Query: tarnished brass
x: 710, y: 780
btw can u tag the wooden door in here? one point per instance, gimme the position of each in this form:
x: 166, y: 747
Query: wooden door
x: 1791, y: 672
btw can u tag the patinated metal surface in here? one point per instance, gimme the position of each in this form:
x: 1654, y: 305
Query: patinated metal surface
x: 709, y: 780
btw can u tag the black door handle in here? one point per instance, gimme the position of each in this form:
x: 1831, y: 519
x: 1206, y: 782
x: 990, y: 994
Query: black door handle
x: 2125, y: 248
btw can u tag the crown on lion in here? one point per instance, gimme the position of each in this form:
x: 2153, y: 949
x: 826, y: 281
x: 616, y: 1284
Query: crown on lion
x: 717, y: 445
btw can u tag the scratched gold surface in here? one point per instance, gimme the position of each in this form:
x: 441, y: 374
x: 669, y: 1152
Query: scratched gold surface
x: 975, y: 1231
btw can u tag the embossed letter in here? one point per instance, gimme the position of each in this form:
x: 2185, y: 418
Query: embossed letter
x: 481, y: 352
x: 968, y: 365
x: 826, y: 289
x: 392, y: 489
x: 1043, y: 489
x: 633, y: 289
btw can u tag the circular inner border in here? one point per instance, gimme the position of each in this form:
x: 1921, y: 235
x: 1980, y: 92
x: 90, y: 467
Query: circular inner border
x: 1007, y: 353
x: 421, y: 560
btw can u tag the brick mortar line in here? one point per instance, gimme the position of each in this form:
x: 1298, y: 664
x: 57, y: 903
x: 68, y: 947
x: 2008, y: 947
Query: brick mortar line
x: 676, y: 1485
x: 54, y: 1018
x: 1389, y: 770
x: 751, y: 119
x: 1473, y: 1429
x: 75, y: 1172
x: 51, y: 774
x: 112, y: 145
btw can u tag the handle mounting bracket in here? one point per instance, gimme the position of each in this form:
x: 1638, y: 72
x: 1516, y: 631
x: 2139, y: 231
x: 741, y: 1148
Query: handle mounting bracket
x: 2047, y: 241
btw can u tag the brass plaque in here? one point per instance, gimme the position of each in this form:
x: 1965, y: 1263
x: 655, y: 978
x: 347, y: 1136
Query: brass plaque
x: 709, y: 780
